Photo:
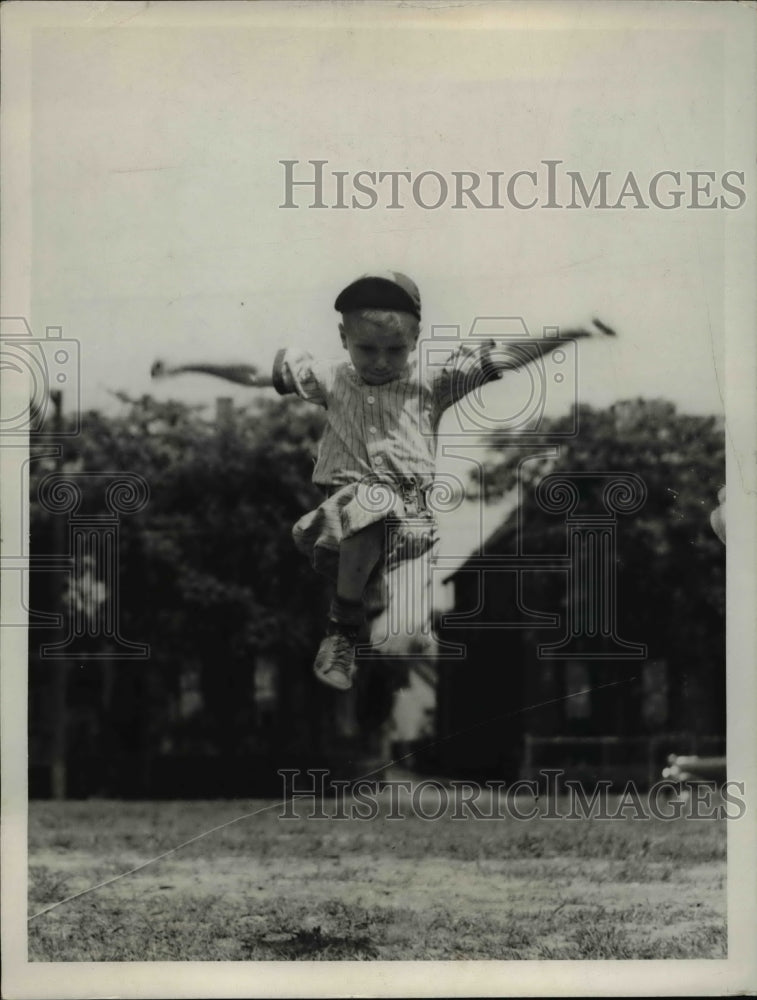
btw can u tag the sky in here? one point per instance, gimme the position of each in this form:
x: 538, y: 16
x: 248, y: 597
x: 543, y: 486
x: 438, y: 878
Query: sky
x: 156, y: 183
x: 156, y: 145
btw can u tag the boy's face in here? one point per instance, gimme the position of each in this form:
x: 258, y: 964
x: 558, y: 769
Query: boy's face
x: 379, y: 348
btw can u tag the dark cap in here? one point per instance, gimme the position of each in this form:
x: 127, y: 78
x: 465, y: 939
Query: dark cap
x: 383, y: 290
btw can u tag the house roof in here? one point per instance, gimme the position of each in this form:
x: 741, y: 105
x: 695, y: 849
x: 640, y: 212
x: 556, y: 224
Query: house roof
x: 507, y: 508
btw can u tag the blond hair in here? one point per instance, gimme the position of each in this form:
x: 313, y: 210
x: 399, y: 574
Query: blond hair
x: 390, y: 319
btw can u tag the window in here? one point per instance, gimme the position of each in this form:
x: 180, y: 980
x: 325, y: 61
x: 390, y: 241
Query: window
x: 654, y: 699
x: 577, y: 690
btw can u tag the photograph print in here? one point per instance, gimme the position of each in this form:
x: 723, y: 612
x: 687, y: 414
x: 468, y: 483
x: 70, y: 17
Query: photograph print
x: 378, y: 499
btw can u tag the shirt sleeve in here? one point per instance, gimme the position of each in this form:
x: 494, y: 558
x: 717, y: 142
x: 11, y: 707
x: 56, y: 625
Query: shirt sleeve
x: 470, y: 366
x: 298, y: 372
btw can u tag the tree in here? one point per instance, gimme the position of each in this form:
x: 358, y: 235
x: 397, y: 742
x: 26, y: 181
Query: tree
x: 209, y: 579
x: 211, y: 582
x: 671, y: 580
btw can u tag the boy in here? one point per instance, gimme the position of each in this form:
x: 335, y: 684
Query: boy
x: 377, y: 455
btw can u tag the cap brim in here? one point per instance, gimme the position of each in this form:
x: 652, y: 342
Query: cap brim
x: 376, y: 293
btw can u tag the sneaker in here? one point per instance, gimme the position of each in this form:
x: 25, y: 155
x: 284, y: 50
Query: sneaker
x: 335, y: 663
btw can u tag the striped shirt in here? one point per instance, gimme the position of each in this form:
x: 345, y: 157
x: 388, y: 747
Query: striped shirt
x: 388, y: 429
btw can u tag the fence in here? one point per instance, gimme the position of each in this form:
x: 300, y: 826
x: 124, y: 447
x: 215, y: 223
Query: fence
x: 615, y: 758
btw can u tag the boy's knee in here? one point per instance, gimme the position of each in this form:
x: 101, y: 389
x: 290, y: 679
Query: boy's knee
x: 371, y: 536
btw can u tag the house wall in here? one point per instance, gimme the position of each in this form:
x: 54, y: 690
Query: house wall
x: 502, y: 695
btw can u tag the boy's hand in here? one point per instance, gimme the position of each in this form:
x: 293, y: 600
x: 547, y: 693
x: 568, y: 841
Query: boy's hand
x: 248, y: 375
x: 604, y: 329
x: 412, y: 540
x: 598, y: 327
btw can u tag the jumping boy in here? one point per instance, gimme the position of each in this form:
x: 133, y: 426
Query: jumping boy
x: 376, y: 459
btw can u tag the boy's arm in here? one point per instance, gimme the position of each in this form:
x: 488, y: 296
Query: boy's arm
x: 241, y: 374
x: 292, y: 372
x: 530, y: 350
x: 474, y: 364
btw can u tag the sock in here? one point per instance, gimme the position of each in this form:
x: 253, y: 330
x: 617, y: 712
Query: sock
x: 349, y: 613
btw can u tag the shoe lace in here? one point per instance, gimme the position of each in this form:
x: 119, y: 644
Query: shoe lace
x: 344, y: 650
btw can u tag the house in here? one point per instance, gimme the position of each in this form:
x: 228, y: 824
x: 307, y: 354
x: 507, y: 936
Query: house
x: 530, y: 691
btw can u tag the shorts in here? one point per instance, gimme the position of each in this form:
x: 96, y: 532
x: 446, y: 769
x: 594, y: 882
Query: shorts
x: 401, y: 502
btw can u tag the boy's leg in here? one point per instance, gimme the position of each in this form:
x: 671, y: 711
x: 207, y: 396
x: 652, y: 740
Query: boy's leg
x: 358, y: 555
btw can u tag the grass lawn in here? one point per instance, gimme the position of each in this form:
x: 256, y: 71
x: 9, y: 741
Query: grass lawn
x: 268, y: 888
